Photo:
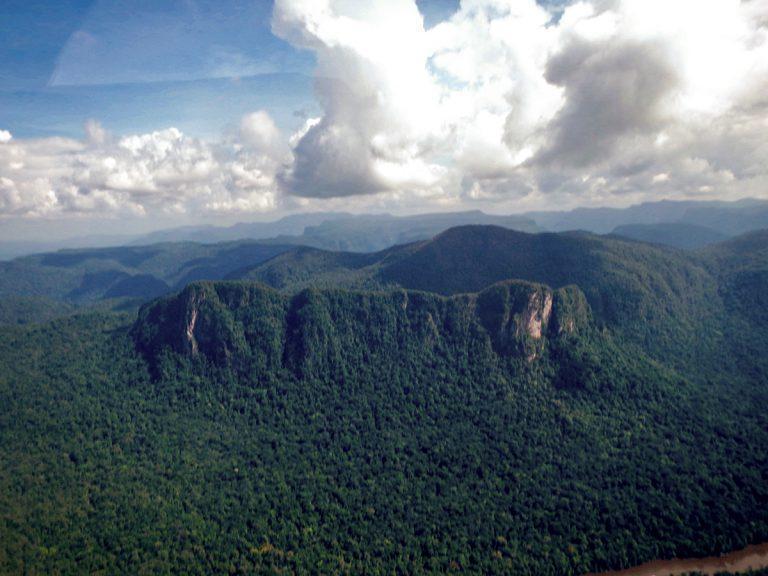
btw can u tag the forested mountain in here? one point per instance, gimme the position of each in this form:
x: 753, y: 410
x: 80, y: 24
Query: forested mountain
x: 658, y: 298
x: 467, y: 259
x: 303, y: 267
x: 84, y: 276
x: 79, y: 276
x: 486, y: 402
x: 675, y: 234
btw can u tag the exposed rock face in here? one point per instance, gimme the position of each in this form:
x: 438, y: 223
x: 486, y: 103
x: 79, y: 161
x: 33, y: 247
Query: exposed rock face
x: 536, y: 314
x: 249, y: 326
x: 518, y: 316
x: 193, y: 309
x: 191, y: 331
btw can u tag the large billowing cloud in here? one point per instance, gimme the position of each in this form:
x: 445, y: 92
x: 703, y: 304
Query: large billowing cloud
x: 506, y: 100
x: 376, y: 93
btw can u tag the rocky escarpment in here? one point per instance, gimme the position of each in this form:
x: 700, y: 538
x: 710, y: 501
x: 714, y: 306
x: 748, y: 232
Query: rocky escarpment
x: 250, y: 327
x: 521, y: 318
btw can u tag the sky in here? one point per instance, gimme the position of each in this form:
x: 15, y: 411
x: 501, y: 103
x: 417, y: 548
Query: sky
x: 126, y: 116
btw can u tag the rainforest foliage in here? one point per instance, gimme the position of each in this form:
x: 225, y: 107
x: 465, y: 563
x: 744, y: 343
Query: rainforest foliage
x: 590, y: 415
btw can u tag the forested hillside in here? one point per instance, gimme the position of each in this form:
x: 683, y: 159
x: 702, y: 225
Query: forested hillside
x: 675, y: 234
x: 663, y: 300
x: 556, y: 405
x: 85, y: 276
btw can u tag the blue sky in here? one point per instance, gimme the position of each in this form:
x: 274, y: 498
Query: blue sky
x: 140, y: 65
x: 143, y: 65
x: 146, y: 64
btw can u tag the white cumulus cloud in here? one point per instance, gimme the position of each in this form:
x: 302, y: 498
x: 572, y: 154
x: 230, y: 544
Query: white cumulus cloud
x: 377, y: 96
x: 158, y: 172
x: 507, y: 100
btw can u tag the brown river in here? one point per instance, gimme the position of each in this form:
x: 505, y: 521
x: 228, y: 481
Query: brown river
x: 752, y: 557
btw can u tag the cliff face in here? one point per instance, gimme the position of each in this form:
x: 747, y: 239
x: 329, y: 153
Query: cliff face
x: 245, y: 326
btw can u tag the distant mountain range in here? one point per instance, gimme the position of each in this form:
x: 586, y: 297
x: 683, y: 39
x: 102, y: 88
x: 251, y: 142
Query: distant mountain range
x: 339, y: 231
x: 726, y: 218
x: 685, y: 224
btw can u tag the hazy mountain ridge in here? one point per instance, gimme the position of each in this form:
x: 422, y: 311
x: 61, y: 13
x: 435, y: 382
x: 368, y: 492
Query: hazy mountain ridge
x: 292, y: 225
x: 675, y: 234
x: 372, y: 232
x: 727, y: 218
x: 344, y: 232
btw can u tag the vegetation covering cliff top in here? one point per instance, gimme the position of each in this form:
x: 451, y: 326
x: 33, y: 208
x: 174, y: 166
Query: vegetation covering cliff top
x: 524, y: 419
